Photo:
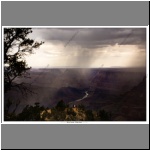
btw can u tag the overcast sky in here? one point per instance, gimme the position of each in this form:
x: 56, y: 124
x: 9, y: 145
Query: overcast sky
x: 89, y: 47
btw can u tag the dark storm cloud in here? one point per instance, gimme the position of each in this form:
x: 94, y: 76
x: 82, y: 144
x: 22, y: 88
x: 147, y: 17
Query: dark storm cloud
x: 91, y: 38
x: 90, y: 47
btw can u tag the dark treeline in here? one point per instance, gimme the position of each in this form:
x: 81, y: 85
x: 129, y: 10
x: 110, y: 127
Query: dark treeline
x: 61, y: 112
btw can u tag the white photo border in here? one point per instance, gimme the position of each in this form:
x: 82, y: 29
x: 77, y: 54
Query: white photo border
x: 77, y: 122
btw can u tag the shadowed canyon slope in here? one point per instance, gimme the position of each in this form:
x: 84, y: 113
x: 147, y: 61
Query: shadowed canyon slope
x: 117, y: 90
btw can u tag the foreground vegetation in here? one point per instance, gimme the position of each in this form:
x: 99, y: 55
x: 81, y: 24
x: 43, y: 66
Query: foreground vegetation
x: 61, y: 112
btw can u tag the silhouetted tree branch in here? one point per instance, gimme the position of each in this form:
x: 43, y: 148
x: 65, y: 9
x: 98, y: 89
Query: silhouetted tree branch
x: 16, y: 46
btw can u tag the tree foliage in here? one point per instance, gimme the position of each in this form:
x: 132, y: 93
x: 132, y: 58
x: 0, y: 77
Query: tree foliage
x: 104, y: 116
x: 58, y: 113
x: 16, y: 46
x: 31, y: 113
x: 61, y: 105
x: 89, y: 115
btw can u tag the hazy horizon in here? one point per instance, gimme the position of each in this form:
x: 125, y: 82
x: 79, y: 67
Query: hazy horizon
x: 71, y: 67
